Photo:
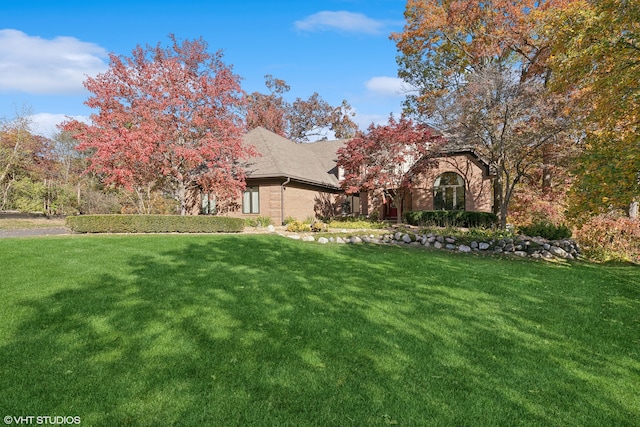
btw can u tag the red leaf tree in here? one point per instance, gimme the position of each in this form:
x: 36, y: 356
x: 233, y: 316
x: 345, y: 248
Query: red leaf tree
x: 384, y: 160
x: 168, y: 119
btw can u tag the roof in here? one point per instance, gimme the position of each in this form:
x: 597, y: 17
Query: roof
x: 312, y: 163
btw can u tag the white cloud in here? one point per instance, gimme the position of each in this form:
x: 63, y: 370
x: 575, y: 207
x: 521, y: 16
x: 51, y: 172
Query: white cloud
x: 39, y: 66
x: 388, y: 86
x: 340, y: 21
x: 45, y: 124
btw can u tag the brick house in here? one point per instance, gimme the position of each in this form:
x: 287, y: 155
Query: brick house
x: 302, y: 180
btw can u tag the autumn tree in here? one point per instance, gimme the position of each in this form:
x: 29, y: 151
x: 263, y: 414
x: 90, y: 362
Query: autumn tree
x: 25, y: 165
x: 479, y: 73
x: 595, y: 56
x: 301, y: 120
x: 168, y: 119
x: 384, y: 160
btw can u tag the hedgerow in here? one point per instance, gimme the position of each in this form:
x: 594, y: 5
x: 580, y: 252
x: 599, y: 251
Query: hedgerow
x: 154, y: 224
x: 451, y: 219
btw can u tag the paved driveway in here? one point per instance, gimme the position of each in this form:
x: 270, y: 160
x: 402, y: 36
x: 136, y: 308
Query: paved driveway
x: 33, y: 232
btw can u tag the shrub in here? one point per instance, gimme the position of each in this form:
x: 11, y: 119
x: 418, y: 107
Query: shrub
x: 546, y: 230
x: 298, y: 226
x: 451, y: 219
x: 355, y: 222
x: 288, y: 220
x: 610, y: 237
x: 318, y: 226
x: 154, y: 224
x: 264, y: 221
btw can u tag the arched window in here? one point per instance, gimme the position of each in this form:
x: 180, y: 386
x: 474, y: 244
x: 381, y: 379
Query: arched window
x: 448, y: 192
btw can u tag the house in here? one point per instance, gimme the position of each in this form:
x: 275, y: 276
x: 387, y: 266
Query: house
x: 290, y: 180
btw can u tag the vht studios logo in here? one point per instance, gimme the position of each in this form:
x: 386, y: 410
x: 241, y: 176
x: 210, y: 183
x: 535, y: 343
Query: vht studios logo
x: 41, y: 420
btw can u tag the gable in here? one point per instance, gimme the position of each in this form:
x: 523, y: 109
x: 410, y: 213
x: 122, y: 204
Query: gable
x: 311, y: 163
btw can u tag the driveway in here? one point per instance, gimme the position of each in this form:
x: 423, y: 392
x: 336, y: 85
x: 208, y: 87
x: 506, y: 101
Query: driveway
x: 34, y: 232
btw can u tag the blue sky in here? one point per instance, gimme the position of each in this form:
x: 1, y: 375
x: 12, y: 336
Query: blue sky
x: 340, y: 49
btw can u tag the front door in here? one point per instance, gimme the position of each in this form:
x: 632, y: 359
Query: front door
x: 390, y: 209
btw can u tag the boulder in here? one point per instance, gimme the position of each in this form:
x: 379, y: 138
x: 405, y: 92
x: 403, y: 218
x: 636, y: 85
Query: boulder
x: 323, y: 240
x: 483, y: 246
x: 558, y: 252
x: 464, y: 248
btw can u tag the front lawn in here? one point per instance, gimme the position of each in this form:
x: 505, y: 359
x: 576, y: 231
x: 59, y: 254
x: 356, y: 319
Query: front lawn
x: 149, y: 330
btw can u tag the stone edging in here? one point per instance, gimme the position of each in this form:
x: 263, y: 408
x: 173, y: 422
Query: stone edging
x: 521, y: 246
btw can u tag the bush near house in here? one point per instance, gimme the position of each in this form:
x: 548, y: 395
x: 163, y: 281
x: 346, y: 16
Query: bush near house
x: 154, y: 224
x: 451, y: 219
x: 546, y: 230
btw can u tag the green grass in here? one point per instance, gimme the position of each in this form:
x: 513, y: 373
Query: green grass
x: 259, y: 330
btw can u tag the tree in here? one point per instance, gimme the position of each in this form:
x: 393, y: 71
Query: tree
x: 510, y: 124
x: 479, y: 71
x: 25, y: 165
x: 595, y: 56
x: 301, y: 120
x: 168, y: 119
x: 384, y: 160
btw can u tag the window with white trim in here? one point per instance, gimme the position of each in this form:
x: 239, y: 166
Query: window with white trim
x: 448, y: 192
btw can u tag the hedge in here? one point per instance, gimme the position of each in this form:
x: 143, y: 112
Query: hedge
x: 154, y: 224
x: 451, y: 219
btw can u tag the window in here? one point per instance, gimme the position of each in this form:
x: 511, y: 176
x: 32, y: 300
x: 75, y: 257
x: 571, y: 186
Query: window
x: 208, y: 205
x: 251, y: 200
x: 448, y: 192
x: 351, y: 204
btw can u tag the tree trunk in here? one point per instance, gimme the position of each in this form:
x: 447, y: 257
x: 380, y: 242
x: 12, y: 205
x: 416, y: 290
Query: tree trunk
x: 181, y: 197
x: 633, y: 210
x: 398, y: 199
x: 499, y: 206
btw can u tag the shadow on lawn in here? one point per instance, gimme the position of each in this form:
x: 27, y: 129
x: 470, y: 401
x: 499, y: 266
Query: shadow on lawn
x: 261, y: 331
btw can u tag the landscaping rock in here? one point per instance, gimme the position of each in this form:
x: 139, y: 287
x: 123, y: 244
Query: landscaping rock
x: 558, y: 252
x: 271, y: 228
x: 406, y: 238
x: 483, y: 246
x: 464, y: 248
x: 308, y: 239
x: 323, y: 240
x: 437, y: 245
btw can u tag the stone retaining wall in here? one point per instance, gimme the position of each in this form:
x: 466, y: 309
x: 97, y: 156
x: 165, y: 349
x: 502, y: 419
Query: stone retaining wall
x: 521, y: 246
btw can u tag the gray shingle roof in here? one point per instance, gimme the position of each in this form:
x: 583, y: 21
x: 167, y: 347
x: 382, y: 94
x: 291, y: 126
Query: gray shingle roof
x: 312, y: 163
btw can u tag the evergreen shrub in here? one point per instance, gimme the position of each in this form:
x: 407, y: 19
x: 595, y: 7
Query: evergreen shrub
x: 154, y: 224
x: 546, y: 230
x: 451, y: 219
